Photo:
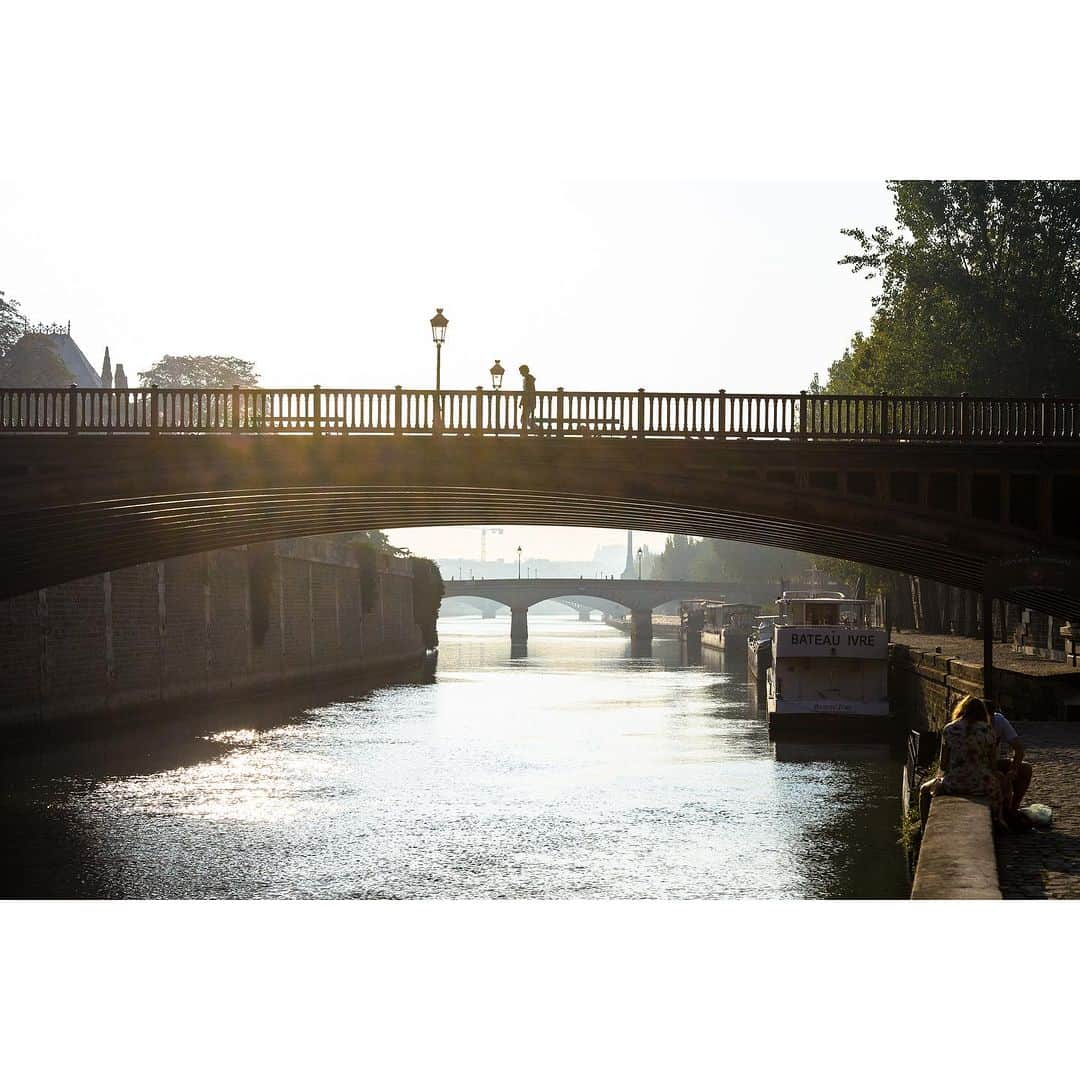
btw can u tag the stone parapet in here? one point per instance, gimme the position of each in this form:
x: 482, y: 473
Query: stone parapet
x: 957, y: 860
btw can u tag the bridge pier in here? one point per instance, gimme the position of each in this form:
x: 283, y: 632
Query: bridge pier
x: 584, y: 615
x: 641, y: 625
x: 519, y: 625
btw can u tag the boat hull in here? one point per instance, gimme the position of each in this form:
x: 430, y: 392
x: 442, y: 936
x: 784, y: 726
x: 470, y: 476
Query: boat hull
x: 758, y: 661
x: 835, y: 726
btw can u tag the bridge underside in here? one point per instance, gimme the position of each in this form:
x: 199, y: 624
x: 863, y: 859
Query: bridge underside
x: 73, y: 506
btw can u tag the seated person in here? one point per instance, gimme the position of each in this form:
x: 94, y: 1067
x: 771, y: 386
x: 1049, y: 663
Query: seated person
x: 967, y: 759
x: 1016, y: 773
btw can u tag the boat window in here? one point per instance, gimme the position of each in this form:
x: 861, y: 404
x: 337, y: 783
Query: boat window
x: 821, y: 614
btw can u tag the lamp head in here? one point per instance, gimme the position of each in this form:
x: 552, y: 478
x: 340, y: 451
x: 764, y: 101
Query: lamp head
x: 438, y: 326
x: 497, y: 373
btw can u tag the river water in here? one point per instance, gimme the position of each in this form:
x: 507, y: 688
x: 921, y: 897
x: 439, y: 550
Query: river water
x: 576, y: 770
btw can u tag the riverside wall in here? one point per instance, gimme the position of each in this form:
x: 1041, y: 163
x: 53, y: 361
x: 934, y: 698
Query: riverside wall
x: 203, y: 624
x: 924, y: 684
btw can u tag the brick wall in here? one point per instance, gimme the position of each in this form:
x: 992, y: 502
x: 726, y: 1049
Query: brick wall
x: 185, y: 627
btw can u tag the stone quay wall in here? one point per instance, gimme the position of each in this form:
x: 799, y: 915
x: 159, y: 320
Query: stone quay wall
x: 925, y: 685
x: 203, y: 624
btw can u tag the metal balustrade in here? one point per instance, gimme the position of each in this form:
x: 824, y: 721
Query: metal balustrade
x: 560, y: 413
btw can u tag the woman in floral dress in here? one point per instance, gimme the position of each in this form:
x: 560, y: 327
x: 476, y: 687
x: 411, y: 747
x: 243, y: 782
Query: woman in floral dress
x: 968, y: 752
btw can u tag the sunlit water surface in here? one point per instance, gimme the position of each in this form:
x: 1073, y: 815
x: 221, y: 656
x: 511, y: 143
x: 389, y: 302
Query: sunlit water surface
x: 578, y: 770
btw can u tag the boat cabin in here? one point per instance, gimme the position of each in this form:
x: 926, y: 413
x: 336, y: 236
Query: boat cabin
x: 722, y: 616
x: 827, y: 609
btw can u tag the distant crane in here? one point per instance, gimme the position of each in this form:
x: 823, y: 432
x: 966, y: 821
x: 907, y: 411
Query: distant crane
x: 483, y: 541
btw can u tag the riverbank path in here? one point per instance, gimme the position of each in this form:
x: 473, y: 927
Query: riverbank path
x: 1045, y: 864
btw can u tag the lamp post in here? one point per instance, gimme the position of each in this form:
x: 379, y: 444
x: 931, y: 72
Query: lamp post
x: 640, y: 552
x: 438, y: 334
x: 519, y: 562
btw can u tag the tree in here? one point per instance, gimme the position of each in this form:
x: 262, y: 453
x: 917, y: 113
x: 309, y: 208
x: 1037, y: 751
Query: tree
x: 687, y: 559
x: 11, y: 324
x: 200, y: 371
x: 34, y: 361
x: 980, y: 291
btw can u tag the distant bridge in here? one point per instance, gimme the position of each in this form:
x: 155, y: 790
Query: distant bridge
x: 641, y: 597
x: 954, y: 489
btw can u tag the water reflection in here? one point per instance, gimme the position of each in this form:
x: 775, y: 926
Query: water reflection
x: 579, y: 768
x: 785, y: 750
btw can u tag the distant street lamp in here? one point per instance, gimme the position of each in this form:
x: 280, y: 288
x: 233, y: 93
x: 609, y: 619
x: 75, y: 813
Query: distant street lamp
x: 640, y: 552
x: 438, y: 334
x: 497, y: 373
x: 519, y: 562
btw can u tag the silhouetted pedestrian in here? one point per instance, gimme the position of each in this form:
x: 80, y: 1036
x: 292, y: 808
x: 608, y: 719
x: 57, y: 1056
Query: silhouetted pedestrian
x: 528, y: 397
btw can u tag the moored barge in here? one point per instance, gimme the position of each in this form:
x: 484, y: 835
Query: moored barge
x: 829, y: 672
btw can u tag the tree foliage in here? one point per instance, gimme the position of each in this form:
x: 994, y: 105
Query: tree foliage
x: 34, y: 360
x: 979, y: 291
x: 11, y: 324
x: 687, y: 559
x: 200, y: 371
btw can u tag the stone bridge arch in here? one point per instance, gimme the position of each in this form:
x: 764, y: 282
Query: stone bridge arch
x: 71, y: 506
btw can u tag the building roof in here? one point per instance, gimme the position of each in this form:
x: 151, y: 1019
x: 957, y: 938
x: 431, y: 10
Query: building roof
x: 72, y: 357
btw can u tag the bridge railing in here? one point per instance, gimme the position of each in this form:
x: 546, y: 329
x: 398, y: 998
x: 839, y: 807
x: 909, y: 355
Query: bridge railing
x: 317, y: 410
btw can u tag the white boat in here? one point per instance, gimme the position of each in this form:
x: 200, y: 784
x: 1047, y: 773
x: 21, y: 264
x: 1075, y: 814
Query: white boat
x: 829, y: 669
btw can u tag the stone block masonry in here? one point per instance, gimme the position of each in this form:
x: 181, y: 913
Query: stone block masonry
x: 928, y: 674
x: 203, y: 624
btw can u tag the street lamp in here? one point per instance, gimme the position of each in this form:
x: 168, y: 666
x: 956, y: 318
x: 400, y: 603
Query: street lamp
x: 438, y: 334
x: 640, y: 552
x: 519, y: 562
x: 497, y: 373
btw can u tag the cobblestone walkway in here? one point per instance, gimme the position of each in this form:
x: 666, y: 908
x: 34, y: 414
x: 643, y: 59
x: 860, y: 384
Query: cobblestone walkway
x: 1045, y: 864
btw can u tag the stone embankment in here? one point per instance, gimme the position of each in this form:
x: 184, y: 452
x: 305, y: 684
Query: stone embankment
x: 663, y: 626
x: 204, y: 624
x: 956, y: 857
x: 927, y: 675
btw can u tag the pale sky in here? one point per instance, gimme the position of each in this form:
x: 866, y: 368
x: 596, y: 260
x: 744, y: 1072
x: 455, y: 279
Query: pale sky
x: 301, y: 186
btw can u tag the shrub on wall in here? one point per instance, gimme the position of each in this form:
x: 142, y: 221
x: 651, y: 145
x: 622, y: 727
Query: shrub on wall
x: 428, y: 589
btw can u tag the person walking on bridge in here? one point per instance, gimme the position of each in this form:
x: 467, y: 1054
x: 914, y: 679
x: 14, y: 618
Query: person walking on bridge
x: 528, y: 398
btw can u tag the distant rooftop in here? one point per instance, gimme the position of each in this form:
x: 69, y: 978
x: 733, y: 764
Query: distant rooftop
x: 72, y: 357
x: 49, y: 329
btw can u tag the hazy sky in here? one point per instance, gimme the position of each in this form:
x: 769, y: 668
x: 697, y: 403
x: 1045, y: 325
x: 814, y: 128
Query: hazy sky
x: 303, y: 186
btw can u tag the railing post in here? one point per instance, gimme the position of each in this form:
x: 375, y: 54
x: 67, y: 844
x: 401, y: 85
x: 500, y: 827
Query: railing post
x: 316, y: 410
x: 803, y: 427
x: 559, y: 395
x: 1042, y: 417
x: 884, y: 414
x: 397, y: 410
x: 73, y: 409
x: 235, y: 408
x: 721, y: 432
x: 479, y: 411
x: 962, y: 434
x: 641, y: 412
x: 153, y: 409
